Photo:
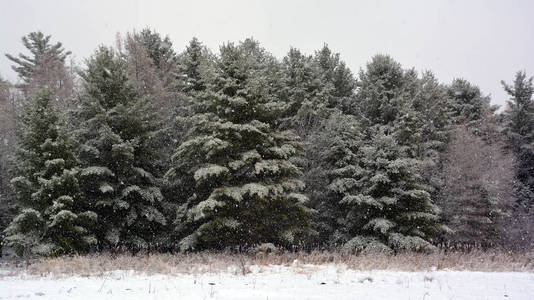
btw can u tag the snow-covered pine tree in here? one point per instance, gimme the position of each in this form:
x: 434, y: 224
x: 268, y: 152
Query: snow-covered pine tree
x: 519, y: 124
x: 333, y: 153
x: 193, y: 62
x: 432, y: 104
x: 304, y: 92
x: 468, y: 104
x: 313, y: 86
x: 424, y: 127
x: 386, y: 203
x: 151, y: 67
x: 119, y: 177
x: 195, y: 68
x: 316, y: 87
x: 380, y: 93
x: 7, y: 146
x: 53, y: 218
x: 45, y: 66
x: 337, y: 77
x: 160, y: 51
x: 244, y: 189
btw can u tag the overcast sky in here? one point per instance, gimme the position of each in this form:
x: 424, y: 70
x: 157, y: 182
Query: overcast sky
x: 481, y: 41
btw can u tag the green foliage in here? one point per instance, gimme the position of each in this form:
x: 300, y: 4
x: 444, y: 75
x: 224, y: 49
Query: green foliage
x: 375, y: 184
x: 290, y: 152
x: 159, y: 49
x: 41, y: 49
x: 312, y: 87
x: 194, y: 63
x: 380, y: 91
x: 44, y: 67
x: 53, y: 218
x: 468, y: 105
x: 332, y: 153
x: 385, y: 199
x: 7, y: 143
x: 243, y: 189
x: 119, y: 176
x: 519, y: 122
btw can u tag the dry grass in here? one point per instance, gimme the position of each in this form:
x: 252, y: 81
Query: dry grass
x: 239, y: 264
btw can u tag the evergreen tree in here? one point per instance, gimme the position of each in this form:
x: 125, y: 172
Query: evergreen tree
x: 432, y: 104
x: 119, y: 176
x: 333, y: 152
x: 380, y: 93
x: 468, y: 105
x: 386, y: 203
x: 337, y: 78
x: 193, y: 63
x: 7, y: 143
x: 519, y: 121
x: 314, y: 85
x: 45, y: 67
x: 52, y: 218
x: 194, y: 70
x: 519, y: 124
x: 317, y: 88
x: 243, y: 188
x: 160, y: 51
x: 305, y: 93
x: 424, y: 127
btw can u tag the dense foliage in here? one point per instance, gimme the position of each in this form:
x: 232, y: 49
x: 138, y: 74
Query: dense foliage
x: 195, y: 150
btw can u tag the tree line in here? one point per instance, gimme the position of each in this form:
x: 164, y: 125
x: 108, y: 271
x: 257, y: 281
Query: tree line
x: 146, y: 148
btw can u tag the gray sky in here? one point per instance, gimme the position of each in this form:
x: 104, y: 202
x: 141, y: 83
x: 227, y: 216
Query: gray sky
x: 481, y: 41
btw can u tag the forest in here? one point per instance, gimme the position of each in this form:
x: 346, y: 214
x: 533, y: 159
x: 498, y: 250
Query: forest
x: 144, y: 147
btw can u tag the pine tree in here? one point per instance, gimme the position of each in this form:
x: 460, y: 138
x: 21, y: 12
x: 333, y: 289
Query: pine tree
x: 337, y: 77
x: 163, y: 62
x: 380, y: 93
x: 468, y: 105
x: 519, y: 124
x: 305, y: 93
x: 317, y: 87
x: 195, y: 68
x: 519, y: 121
x: 119, y: 177
x: 432, y: 103
x: 333, y: 153
x: 314, y: 85
x: 52, y: 219
x: 193, y: 62
x: 386, y: 202
x: 45, y: 67
x: 7, y: 143
x: 160, y: 51
x: 244, y: 189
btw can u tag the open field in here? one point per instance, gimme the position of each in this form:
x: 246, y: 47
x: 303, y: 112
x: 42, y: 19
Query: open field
x: 288, y: 276
x: 318, y: 275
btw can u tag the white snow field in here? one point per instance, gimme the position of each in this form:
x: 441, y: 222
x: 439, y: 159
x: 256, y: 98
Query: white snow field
x: 276, y: 282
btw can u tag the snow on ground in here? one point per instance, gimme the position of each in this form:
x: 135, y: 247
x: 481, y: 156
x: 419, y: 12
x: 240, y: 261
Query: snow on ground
x: 276, y: 282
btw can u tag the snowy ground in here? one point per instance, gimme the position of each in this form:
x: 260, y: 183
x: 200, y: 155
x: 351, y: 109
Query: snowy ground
x: 276, y: 282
